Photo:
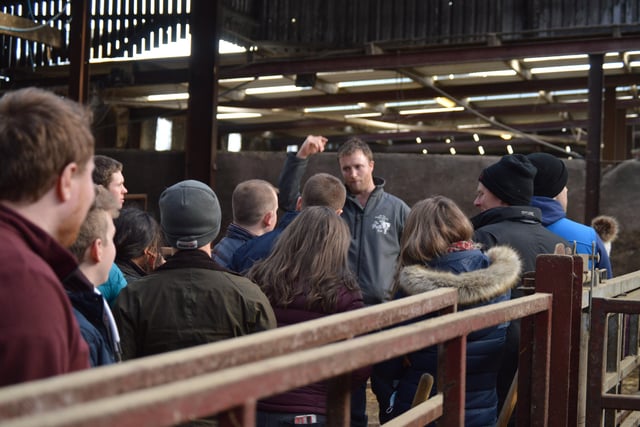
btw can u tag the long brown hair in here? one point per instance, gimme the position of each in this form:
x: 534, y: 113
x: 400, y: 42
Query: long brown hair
x: 309, y: 258
x: 432, y: 225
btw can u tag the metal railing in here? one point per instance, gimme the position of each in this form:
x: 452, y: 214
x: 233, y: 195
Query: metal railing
x: 228, y: 378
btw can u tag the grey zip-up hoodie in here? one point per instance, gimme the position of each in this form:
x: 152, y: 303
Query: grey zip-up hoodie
x: 376, y: 230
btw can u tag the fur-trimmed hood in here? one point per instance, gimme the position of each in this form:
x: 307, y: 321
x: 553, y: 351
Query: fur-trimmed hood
x: 473, y: 287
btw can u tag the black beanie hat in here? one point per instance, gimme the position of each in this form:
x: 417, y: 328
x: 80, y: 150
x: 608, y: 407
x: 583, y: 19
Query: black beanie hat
x: 552, y: 175
x: 510, y: 179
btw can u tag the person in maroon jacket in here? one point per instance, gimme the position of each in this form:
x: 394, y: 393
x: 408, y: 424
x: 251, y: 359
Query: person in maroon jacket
x: 46, y: 160
x: 306, y: 277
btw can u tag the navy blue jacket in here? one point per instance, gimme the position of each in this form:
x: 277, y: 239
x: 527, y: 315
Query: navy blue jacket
x: 89, y: 310
x: 235, y: 237
x: 480, y: 279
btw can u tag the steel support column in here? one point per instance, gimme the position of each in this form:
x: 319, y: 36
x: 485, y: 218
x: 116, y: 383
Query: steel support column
x: 203, y: 93
x: 79, y: 40
x: 592, y: 183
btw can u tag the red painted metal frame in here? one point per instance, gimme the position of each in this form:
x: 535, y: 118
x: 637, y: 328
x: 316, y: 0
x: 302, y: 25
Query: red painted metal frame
x: 562, y: 276
x: 597, y: 399
x: 226, y: 391
x: 57, y: 392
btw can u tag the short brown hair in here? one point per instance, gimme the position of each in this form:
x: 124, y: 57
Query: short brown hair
x: 105, y: 167
x: 323, y: 189
x: 354, y: 144
x: 40, y: 134
x: 432, y: 225
x: 96, y: 223
x: 251, y: 200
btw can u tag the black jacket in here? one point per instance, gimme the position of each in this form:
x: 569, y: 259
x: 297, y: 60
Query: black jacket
x: 519, y: 227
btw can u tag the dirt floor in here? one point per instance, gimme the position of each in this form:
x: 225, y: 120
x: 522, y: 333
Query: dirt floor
x: 372, y: 408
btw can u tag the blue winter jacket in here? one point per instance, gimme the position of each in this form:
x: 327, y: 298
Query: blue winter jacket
x: 234, y: 238
x: 554, y: 218
x: 480, y: 279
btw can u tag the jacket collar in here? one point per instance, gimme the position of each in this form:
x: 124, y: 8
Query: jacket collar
x: 507, y: 213
x: 474, y: 286
x: 551, y: 209
x: 61, y: 261
x: 191, y: 259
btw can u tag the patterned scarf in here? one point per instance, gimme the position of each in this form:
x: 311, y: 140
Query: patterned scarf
x: 463, y: 245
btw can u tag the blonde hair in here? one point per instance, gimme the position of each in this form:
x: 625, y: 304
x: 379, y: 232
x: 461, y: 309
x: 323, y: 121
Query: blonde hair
x: 96, y: 223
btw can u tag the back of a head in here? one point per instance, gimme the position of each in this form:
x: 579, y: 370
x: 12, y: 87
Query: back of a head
x: 309, y: 256
x: 551, y: 176
x: 40, y: 134
x: 323, y: 189
x: 432, y: 225
x: 104, y: 168
x: 510, y: 179
x: 251, y: 200
x: 355, y: 144
x: 189, y: 214
x: 95, y: 225
x: 136, y: 230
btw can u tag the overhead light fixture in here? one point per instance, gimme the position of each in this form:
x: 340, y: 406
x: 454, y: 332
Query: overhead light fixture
x: 447, y: 140
x: 452, y: 150
x: 473, y: 126
x: 560, y: 69
x: 445, y: 102
x: 375, y: 82
x: 354, y: 116
x: 567, y: 148
x: 418, y: 140
x: 506, y: 136
x: 229, y: 116
x: 430, y: 110
x: 481, y: 150
x: 181, y: 96
x: 273, y: 89
x: 509, y: 149
x: 424, y: 151
x: 555, y: 58
x: 332, y: 108
x: 476, y: 137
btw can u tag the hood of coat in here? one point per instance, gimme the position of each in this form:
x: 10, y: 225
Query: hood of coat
x: 474, y: 286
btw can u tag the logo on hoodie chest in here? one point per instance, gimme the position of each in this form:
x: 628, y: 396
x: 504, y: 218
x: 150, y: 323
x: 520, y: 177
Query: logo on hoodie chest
x: 381, y: 224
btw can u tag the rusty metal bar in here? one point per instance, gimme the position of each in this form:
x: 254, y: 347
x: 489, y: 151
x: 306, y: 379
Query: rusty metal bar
x: 595, y: 364
x: 222, y: 391
x: 452, y: 373
x: 597, y: 399
x: 339, y: 400
x: 556, y: 274
x: 629, y: 402
x: 541, y: 367
x: 576, y: 338
x: 164, y: 368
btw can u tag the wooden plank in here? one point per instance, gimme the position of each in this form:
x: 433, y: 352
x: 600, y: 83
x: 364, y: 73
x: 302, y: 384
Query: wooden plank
x: 29, y: 30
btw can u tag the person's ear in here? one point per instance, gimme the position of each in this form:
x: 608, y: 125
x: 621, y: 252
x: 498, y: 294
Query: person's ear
x: 339, y: 211
x: 95, y: 250
x: 269, y: 219
x: 371, y: 163
x: 65, y: 180
x: 299, y: 203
